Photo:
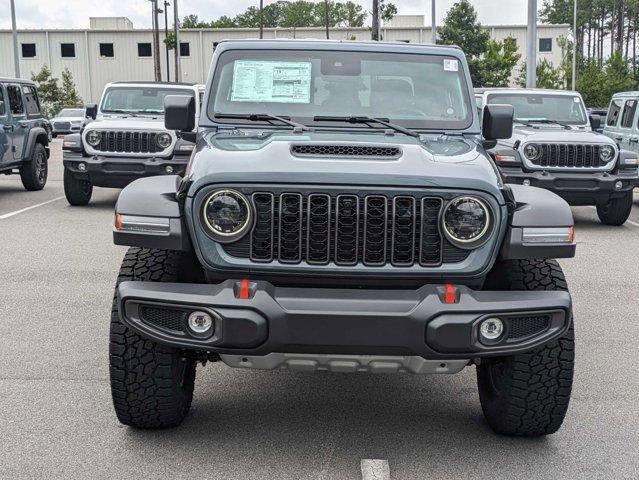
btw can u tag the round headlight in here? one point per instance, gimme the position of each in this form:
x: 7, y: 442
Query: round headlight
x: 163, y: 140
x: 466, y: 221
x: 532, y: 151
x: 93, y: 138
x: 227, y: 214
x: 606, y: 153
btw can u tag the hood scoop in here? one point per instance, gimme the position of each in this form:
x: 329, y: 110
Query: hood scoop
x: 325, y: 150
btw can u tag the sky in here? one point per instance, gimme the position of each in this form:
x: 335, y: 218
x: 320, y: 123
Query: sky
x: 75, y: 13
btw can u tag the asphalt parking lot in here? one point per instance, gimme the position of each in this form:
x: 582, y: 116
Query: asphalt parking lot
x: 56, y: 419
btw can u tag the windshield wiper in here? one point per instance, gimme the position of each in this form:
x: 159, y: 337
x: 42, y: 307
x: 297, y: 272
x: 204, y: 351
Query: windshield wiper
x: 368, y: 121
x: 125, y: 112
x: 545, y: 121
x: 262, y: 117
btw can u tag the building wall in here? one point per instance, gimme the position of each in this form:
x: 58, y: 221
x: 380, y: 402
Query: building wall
x: 91, y: 72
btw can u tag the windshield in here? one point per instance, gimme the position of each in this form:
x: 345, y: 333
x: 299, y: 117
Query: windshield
x: 71, y: 112
x: 416, y: 91
x: 567, y: 109
x: 138, y: 99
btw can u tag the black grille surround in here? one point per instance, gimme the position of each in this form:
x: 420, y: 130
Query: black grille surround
x: 568, y: 155
x: 526, y: 325
x: 346, y: 228
x: 344, y: 150
x: 128, y: 142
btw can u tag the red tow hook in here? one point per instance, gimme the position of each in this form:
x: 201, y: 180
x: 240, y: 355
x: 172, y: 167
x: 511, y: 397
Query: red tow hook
x: 450, y: 294
x: 243, y: 292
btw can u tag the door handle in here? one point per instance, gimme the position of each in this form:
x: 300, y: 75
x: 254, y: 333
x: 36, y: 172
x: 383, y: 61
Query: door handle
x: 633, y: 140
x: 8, y: 128
x: 23, y: 125
x: 619, y: 139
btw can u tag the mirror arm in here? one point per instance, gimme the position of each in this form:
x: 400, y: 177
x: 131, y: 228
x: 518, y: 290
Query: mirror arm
x: 488, y: 144
x: 188, y: 136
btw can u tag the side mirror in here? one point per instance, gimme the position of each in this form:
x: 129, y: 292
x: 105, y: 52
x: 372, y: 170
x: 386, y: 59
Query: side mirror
x: 595, y: 122
x: 179, y: 113
x: 497, y: 122
x: 91, y: 110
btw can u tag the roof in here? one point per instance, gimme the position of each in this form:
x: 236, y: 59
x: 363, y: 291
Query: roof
x: 526, y: 90
x: 16, y: 80
x: 627, y: 94
x: 150, y: 82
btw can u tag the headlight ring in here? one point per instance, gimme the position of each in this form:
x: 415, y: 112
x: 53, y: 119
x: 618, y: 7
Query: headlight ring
x: 532, y: 151
x: 163, y: 140
x: 467, y: 222
x: 227, y: 215
x: 606, y: 153
x: 93, y: 138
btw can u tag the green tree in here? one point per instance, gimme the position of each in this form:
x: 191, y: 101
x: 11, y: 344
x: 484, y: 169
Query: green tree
x: 598, y: 85
x: 69, y: 95
x: 48, y: 90
x: 387, y: 10
x: 548, y: 76
x: 497, y: 63
x: 192, y: 21
x: 461, y: 28
x: 223, y: 22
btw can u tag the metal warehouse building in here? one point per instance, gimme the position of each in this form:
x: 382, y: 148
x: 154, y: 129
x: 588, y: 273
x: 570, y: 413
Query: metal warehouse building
x: 112, y: 50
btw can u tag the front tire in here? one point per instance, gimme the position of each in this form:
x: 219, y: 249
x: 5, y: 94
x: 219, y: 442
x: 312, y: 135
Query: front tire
x: 77, y: 190
x: 151, y: 384
x: 528, y: 394
x: 34, y: 173
x: 616, y: 211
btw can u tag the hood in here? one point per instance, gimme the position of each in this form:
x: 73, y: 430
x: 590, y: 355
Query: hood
x: 432, y: 161
x: 128, y: 123
x: 556, y: 134
x: 68, y: 119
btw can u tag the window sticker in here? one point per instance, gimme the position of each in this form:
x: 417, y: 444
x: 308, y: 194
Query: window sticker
x: 451, y: 65
x: 575, y: 99
x: 271, y: 81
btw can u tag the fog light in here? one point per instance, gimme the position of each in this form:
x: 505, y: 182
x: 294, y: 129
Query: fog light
x: 618, y: 185
x: 526, y: 182
x: 168, y: 169
x: 82, y: 167
x: 491, y: 329
x: 200, y: 322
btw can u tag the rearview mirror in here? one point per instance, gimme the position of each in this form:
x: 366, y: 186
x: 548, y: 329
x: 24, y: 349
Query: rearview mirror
x: 91, y: 110
x: 595, y: 122
x: 497, y: 122
x: 179, y: 113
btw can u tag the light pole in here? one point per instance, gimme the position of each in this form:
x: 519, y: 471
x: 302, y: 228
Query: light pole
x: 261, y: 18
x: 433, y: 22
x: 328, y: 35
x: 176, y: 31
x: 531, y: 47
x: 166, y: 35
x: 16, y: 59
x: 574, y: 45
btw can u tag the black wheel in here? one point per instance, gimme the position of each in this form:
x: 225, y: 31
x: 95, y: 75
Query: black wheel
x: 616, y: 211
x: 528, y: 394
x: 34, y: 172
x: 54, y: 135
x: 77, y: 190
x: 151, y: 384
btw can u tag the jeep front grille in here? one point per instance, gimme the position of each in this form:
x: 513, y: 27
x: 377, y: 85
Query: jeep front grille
x: 568, y: 155
x: 128, y: 142
x: 62, y: 125
x: 347, y: 229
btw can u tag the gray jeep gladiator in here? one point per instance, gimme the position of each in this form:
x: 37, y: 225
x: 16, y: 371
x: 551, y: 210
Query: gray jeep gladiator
x: 340, y: 213
x: 125, y: 140
x: 555, y: 145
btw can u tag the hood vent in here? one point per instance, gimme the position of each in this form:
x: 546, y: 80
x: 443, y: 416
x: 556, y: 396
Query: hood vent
x: 345, y: 151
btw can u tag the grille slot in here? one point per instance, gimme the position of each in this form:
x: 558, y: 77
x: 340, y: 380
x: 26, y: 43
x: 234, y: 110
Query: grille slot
x: 566, y: 155
x: 318, y: 228
x: 166, y: 318
x: 290, y: 228
x: 524, y: 326
x: 128, y: 142
x: 262, y: 234
x: 311, y: 150
x: 375, y: 230
x: 403, y: 236
x: 347, y: 230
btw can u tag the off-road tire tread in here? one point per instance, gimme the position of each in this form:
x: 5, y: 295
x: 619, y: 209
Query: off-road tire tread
x: 536, y: 385
x: 73, y: 191
x: 145, y: 376
x: 616, y: 211
x: 27, y: 173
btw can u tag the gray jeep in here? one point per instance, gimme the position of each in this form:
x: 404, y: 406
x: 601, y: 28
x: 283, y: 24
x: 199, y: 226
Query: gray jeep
x: 125, y: 141
x: 555, y: 146
x: 340, y: 213
x: 24, y: 133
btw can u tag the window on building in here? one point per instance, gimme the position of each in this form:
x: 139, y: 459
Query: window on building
x: 628, y: 113
x: 144, y: 50
x: 613, y: 113
x: 106, y: 50
x: 31, y: 98
x: 67, y: 50
x: 185, y: 49
x: 3, y: 110
x: 545, y: 45
x: 28, y: 50
x: 15, y: 100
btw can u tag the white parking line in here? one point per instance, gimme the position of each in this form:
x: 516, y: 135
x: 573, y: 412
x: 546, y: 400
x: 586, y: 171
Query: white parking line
x: 16, y: 212
x: 375, y: 470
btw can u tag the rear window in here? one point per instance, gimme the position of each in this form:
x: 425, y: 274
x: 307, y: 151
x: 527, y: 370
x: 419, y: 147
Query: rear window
x: 31, y: 97
x: 613, y: 113
x: 629, y: 113
x: 15, y: 100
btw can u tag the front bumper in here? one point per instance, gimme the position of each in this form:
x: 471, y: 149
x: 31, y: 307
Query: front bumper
x: 262, y: 319
x: 577, y: 188
x: 118, y: 172
x: 66, y: 131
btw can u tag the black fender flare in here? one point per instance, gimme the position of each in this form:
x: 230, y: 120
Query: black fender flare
x: 148, y: 199
x: 36, y: 135
x: 537, y: 208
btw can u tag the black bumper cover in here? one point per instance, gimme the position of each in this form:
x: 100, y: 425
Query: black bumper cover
x: 343, y: 321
